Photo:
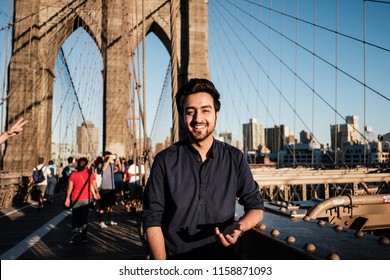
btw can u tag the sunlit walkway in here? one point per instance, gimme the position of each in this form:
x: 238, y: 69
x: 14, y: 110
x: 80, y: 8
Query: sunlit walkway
x: 30, y: 234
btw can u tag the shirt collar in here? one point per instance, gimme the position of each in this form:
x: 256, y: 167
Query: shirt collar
x: 210, y: 153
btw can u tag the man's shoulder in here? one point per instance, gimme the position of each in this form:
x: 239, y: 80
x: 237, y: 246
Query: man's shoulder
x: 39, y: 166
x: 68, y: 169
x: 72, y: 175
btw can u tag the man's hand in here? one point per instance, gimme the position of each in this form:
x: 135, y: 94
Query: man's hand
x: 96, y: 196
x: 67, y: 202
x: 230, y: 235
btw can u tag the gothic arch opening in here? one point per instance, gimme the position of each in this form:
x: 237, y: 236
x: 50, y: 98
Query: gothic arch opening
x: 78, y: 96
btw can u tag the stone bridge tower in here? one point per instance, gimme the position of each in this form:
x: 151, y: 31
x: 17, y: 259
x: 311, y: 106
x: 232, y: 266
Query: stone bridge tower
x: 42, y: 26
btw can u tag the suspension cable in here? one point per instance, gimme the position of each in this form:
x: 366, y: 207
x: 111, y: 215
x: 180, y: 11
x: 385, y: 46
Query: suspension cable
x: 174, y: 77
x: 289, y: 68
x: 317, y: 56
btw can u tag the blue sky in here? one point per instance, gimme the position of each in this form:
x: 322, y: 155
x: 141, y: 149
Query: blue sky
x: 267, y: 79
x: 303, y: 91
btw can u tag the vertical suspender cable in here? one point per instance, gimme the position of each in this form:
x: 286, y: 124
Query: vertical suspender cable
x: 281, y: 69
x: 295, y: 71
x: 313, y: 91
x: 266, y: 136
x: 138, y: 84
x: 270, y: 138
x: 144, y: 76
x: 146, y: 145
x: 364, y: 86
x: 105, y: 65
x: 280, y: 80
x: 174, y: 78
x: 336, y: 86
x: 133, y: 88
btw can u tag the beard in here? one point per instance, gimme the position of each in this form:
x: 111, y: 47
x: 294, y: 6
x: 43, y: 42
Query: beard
x: 198, y: 135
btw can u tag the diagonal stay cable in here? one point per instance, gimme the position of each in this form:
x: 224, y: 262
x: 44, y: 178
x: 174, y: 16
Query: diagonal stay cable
x: 316, y: 55
x: 296, y: 74
x: 75, y: 93
x: 163, y: 90
x: 231, y: 66
x: 228, y: 23
x: 226, y: 80
x: 323, y: 27
x: 265, y: 73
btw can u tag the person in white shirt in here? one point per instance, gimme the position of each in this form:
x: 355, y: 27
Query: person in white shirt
x: 136, y: 172
x: 41, y: 187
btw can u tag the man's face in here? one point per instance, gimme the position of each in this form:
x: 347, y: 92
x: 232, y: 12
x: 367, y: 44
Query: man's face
x: 199, y: 116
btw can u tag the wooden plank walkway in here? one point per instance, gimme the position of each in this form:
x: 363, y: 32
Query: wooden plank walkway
x: 29, y: 234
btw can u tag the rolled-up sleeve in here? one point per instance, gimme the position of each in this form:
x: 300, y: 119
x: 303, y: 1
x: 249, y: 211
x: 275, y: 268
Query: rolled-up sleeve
x: 248, y: 191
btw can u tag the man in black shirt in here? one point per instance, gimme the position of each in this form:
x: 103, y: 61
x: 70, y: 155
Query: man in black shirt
x: 190, y: 197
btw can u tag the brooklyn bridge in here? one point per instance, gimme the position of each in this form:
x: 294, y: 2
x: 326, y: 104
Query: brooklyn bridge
x: 96, y: 75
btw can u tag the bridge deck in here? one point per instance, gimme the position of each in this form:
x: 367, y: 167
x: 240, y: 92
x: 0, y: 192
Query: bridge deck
x: 21, y: 229
x: 28, y: 234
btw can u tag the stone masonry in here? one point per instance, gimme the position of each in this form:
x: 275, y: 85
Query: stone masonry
x: 40, y: 29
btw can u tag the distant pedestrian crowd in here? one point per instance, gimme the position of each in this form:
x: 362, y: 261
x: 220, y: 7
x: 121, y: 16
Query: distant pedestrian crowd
x: 101, y: 184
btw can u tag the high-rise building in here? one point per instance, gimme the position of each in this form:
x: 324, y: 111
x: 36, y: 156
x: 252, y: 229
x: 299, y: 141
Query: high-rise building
x: 291, y: 138
x: 277, y: 137
x: 305, y: 137
x: 353, y: 129
x: 369, y: 133
x: 253, y: 135
x: 386, y: 137
x: 87, y: 139
x: 343, y: 134
x: 228, y: 137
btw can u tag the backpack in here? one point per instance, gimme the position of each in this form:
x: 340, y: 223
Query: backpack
x: 67, y: 171
x: 38, y: 176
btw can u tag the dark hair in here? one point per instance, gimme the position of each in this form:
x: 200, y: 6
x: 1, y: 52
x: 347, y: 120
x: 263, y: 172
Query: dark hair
x: 107, y: 153
x: 81, y: 164
x: 99, y: 164
x: 41, y: 160
x: 51, y: 162
x: 70, y: 160
x: 194, y: 86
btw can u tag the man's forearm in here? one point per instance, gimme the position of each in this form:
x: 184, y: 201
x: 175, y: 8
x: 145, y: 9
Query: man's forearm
x: 251, y: 218
x: 155, y: 239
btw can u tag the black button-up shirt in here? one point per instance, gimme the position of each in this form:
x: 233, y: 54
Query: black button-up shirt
x: 188, y: 198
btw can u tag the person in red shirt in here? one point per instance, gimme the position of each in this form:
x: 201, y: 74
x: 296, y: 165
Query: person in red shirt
x: 81, y: 189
